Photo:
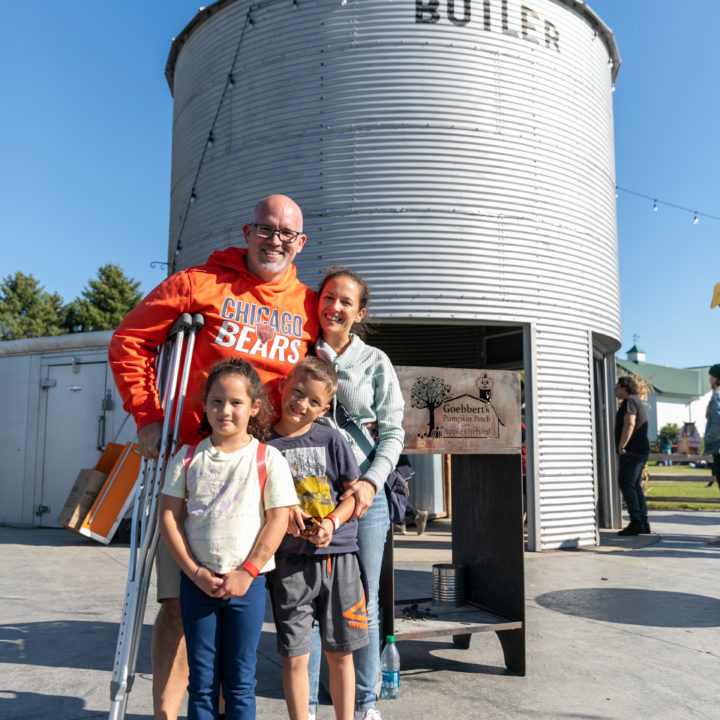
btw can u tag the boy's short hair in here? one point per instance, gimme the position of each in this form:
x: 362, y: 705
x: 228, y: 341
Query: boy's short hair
x: 320, y: 370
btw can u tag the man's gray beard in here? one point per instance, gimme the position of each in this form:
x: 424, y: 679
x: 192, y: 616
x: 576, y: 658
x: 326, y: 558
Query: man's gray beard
x: 275, y: 267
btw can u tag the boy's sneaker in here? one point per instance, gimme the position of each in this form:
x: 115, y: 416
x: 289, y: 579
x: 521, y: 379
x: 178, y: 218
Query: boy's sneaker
x: 370, y: 714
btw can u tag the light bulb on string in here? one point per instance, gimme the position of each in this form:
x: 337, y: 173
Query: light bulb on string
x: 231, y: 80
x: 193, y: 195
x: 656, y: 202
x: 210, y: 140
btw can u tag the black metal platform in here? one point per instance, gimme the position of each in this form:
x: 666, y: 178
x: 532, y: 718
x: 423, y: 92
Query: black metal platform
x: 487, y: 537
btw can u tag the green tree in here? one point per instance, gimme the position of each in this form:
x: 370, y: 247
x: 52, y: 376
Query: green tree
x: 26, y: 310
x: 671, y: 430
x: 104, y: 302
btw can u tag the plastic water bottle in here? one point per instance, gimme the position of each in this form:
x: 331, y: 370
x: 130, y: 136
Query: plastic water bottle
x: 390, y: 666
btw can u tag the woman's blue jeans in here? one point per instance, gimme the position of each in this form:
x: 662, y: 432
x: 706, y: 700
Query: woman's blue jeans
x: 222, y: 637
x: 372, y: 531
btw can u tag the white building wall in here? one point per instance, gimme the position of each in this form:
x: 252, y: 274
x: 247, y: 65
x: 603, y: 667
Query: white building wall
x: 679, y: 411
x: 27, y: 481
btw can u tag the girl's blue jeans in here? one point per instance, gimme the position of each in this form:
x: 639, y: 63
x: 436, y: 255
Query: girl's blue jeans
x: 222, y: 637
x: 372, y: 531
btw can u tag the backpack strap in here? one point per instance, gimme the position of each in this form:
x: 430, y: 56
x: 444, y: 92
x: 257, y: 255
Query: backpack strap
x: 262, y: 466
x: 189, y: 454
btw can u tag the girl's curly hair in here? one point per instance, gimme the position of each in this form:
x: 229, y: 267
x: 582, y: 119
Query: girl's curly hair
x: 257, y: 425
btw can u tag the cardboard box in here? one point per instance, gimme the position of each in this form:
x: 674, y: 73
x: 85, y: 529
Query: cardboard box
x: 81, y: 497
x: 87, y: 486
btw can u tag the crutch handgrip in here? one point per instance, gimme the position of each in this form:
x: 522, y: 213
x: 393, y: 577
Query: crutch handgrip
x: 198, y: 321
x: 184, y: 322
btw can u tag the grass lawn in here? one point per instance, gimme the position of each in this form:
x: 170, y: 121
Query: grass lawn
x: 686, y: 490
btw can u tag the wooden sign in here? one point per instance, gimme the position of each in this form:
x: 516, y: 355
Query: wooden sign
x: 453, y: 410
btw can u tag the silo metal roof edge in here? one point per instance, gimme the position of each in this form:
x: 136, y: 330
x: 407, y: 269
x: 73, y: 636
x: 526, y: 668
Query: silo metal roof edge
x: 179, y: 40
x: 579, y: 6
x: 607, y: 35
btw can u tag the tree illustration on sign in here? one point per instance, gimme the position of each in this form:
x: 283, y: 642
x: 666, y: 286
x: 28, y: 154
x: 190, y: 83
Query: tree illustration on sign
x: 429, y: 392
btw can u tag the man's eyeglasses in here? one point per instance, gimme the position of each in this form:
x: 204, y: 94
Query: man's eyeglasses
x: 267, y: 231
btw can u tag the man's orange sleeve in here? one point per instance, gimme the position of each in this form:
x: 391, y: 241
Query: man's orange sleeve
x: 134, y: 346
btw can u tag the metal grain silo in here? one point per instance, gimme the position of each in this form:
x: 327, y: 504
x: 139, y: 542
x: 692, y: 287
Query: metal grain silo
x: 460, y: 156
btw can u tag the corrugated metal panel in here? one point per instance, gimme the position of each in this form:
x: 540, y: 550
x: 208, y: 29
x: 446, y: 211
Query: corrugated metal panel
x: 565, y: 428
x: 467, y: 172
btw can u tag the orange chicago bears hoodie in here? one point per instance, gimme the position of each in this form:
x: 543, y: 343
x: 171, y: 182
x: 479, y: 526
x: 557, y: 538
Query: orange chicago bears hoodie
x: 271, y: 325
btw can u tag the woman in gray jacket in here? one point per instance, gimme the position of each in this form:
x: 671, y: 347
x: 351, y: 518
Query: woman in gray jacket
x: 369, y: 393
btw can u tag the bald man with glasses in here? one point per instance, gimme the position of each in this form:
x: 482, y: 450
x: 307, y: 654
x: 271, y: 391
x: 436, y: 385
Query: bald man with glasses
x: 255, y: 308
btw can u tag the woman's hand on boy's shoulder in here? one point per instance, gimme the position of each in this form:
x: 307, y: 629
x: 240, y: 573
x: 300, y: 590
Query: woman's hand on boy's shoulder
x: 373, y: 429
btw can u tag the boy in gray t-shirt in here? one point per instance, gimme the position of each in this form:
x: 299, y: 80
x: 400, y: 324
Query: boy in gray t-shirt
x: 317, y: 572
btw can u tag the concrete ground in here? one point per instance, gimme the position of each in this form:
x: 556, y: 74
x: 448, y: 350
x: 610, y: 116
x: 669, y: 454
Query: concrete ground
x: 627, y: 630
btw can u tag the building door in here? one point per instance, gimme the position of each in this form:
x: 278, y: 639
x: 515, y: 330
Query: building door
x: 608, y: 503
x: 73, y: 430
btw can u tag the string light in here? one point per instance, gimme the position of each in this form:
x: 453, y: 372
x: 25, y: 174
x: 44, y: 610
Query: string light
x: 696, y: 214
x: 229, y: 83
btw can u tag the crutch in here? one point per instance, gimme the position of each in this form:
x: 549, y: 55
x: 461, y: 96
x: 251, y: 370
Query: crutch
x: 144, y: 526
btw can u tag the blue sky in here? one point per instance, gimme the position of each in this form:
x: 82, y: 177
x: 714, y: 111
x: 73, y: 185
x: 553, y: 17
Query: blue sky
x: 85, y: 142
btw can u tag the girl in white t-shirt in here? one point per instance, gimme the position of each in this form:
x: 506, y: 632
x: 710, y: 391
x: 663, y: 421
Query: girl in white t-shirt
x: 224, y: 511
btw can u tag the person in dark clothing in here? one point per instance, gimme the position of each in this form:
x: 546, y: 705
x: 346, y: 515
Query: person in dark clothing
x: 633, y: 447
x: 712, y: 427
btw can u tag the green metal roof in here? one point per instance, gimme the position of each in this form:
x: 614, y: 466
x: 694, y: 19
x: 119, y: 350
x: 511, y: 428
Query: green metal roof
x: 687, y: 382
